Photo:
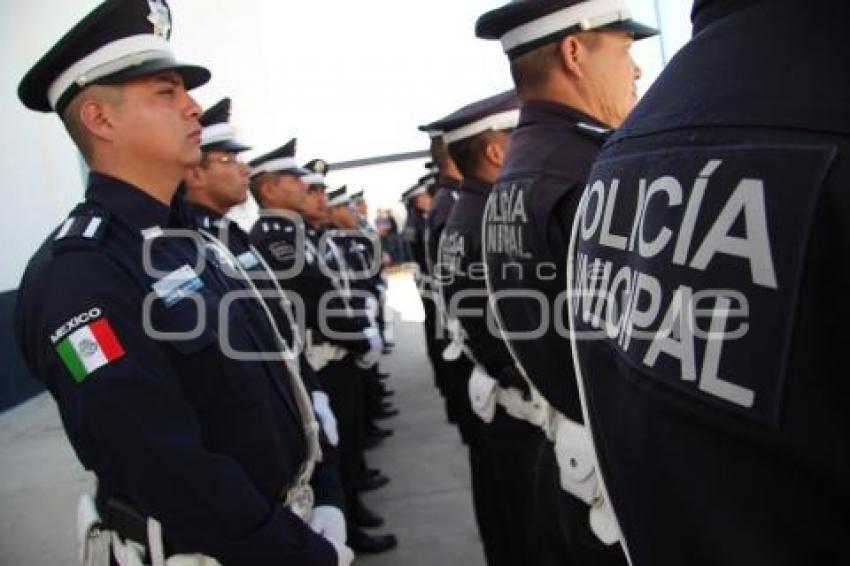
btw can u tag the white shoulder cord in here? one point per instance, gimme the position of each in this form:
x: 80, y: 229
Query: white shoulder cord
x: 494, y: 307
x: 343, y: 267
x: 579, y: 377
x: 302, y: 398
x: 286, y: 304
x: 450, y: 323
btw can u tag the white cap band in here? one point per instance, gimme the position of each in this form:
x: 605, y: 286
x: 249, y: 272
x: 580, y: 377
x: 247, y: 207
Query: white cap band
x: 423, y: 188
x: 275, y: 165
x: 110, y: 59
x: 217, y: 133
x: 314, y: 179
x: 502, y: 121
x: 344, y: 198
x: 588, y: 15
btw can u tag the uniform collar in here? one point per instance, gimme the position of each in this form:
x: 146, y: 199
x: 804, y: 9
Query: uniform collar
x: 706, y: 12
x: 548, y: 112
x: 200, y: 215
x: 449, y: 183
x: 475, y: 186
x: 127, y: 202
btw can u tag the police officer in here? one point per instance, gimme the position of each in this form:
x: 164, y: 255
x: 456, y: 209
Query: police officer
x: 417, y: 201
x: 455, y: 364
x: 122, y: 325
x: 361, y: 209
x: 210, y: 190
x: 342, y: 342
x: 573, y: 72
x: 452, y: 374
x: 477, y: 140
x: 720, y: 418
x: 357, y: 248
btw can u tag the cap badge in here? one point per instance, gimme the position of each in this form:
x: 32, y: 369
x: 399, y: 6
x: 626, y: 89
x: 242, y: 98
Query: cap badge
x: 160, y: 17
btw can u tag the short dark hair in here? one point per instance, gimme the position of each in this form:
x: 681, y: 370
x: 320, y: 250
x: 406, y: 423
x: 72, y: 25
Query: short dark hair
x: 78, y: 132
x: 468, y: 153
x: 439, y: 152
x: 531, y: 70
x: 256, y: 186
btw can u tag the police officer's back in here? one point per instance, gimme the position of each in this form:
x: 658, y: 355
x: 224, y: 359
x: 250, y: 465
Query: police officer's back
x: 573, y: 72
x: 720, y: 418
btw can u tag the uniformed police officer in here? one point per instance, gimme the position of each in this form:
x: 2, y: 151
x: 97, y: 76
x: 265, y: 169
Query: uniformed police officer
x: 342, y: 340
x: 122, y: 324
x: 477, y: 139
x: 361, y: 209
x: 454, y: 363
x: 452, y: 374
x: 357, y: 248
x: 210, y: 190
x: 716, y: 400
x: 571, y: 65
x: 417, y: 201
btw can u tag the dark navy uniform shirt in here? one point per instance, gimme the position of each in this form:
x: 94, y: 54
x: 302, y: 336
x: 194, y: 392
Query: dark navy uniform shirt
x: 461, y: 276
x: 526, y: 233
x: 712, y: 254
x: 414, y: 235
x: 444, y: 200
x: 311, y: 273
x: 291, y: 324
x: 202, y: 442
x: 360, y: 251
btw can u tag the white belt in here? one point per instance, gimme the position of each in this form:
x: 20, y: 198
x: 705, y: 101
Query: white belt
x: 320, y: 355
x: 485, y: 395
x: 97, y: 544
x: 577, y: 466
x: 457, y: 344
x: 573, y: 447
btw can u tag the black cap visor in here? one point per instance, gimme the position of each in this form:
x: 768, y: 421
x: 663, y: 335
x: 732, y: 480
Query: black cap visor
x: 637, y: 29
x: 193, y: 77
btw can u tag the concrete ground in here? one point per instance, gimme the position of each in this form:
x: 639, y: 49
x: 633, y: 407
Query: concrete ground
x: 427, y: 504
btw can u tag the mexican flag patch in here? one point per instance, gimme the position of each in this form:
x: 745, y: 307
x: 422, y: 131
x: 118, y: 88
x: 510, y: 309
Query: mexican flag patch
x: 89, y: 348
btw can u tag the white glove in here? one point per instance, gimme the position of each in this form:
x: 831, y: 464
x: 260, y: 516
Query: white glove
x: 372, y: 309
x: 322, y: 406
x: 376, y: 347
x: 329, y: 522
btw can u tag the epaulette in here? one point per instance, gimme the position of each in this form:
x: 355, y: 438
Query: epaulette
x: 83, y: 226
x: 596, y: 133
x: 272, y: 226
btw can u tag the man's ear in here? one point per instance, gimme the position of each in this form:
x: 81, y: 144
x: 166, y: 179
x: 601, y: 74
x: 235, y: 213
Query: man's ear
x: 495, y: 153
x: 266, y: 187
x: 571, y: 51
x: 98, y: 118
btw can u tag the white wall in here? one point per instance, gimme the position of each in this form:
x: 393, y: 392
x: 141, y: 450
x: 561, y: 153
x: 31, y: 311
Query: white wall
x: 39, y: 167
x: 349, y: 79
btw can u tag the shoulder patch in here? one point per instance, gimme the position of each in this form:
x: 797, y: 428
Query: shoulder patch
x: 272, y: 226
x: 88, y: 348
